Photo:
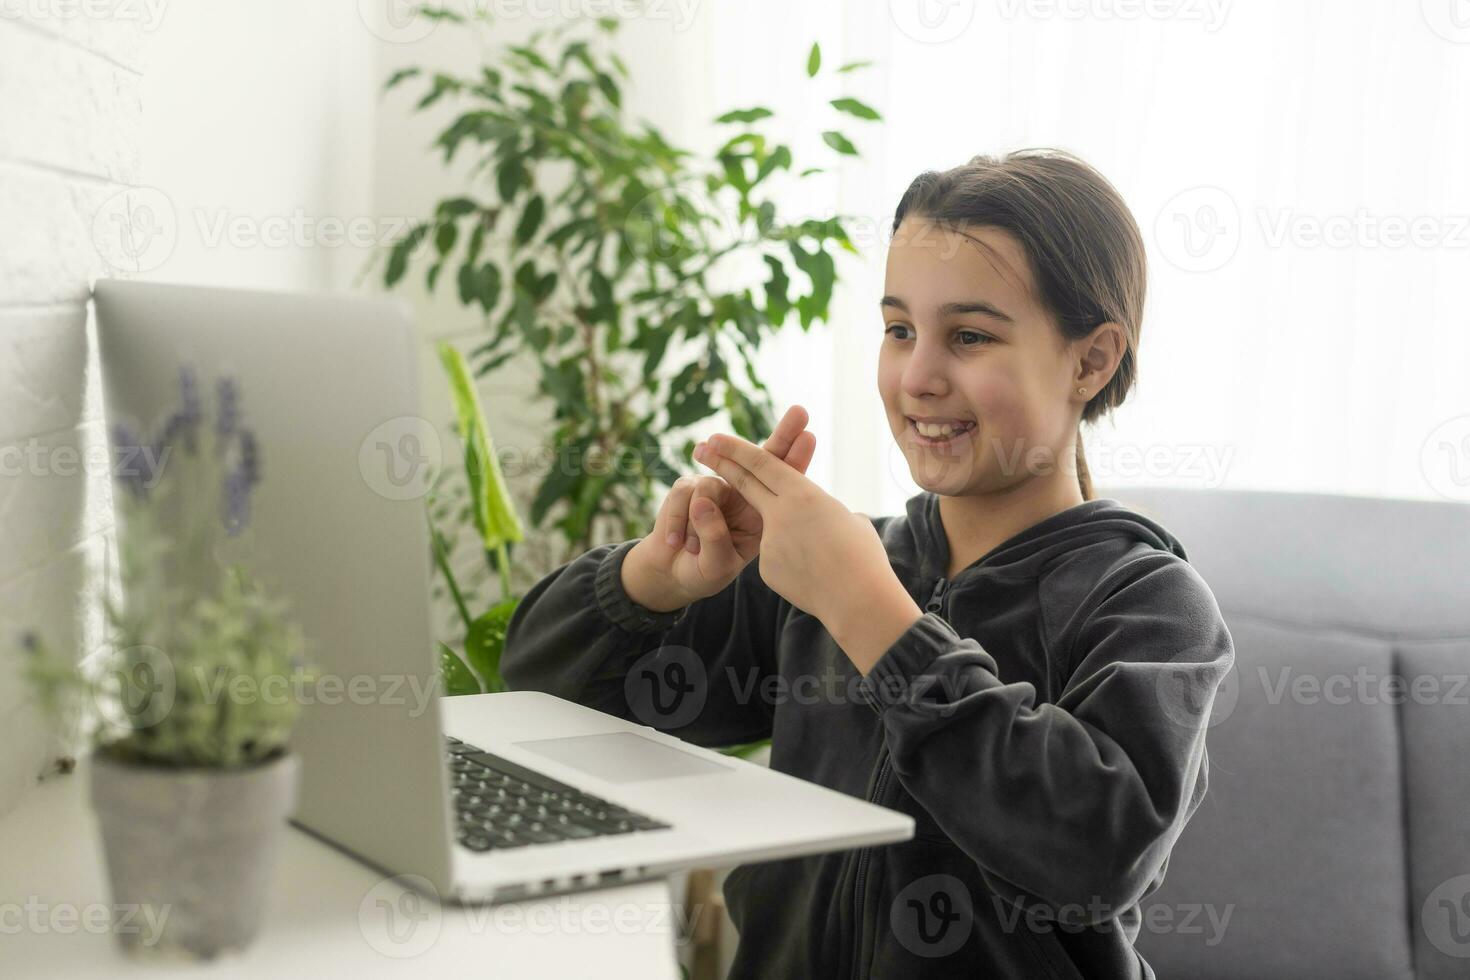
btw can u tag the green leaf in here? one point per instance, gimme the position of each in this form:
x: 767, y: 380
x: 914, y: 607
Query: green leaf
x: 780, y: 157
x: 530, y: 56
x: 442, y: 84
x: 477, y: 241
x: 455, y: 207
x: 493, y: 509
x: 564, y: 475
x: 813, y: 60
x: 510, y: 178
x: 398, y: 256
x: 445, y: 236
x: 479, y: 285
x: 531, y: 217
x: 853, y: 66
x: 744, y: 115
x: 855, y: 108
x: 839, y: 142
x: 485, y: 642
x: 777, y: 304
x: 457, y: 677
x: 399, y: 76
x: 609, y: 88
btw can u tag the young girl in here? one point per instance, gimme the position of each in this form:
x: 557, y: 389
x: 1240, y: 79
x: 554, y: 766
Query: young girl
x: 1024, y: 669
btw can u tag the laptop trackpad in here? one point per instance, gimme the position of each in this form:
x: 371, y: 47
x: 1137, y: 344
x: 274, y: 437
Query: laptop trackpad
x: 621, y: 757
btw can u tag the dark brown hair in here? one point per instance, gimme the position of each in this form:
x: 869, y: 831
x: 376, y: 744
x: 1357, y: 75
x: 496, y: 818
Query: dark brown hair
x: 1085, y: 250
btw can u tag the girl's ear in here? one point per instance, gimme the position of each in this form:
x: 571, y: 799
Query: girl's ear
x: 1099, y: 354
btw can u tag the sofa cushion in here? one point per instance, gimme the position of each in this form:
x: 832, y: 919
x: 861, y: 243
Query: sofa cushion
x: 1294, y: 866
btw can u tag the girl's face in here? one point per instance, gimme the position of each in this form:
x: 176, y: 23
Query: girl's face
x: 966, y: 340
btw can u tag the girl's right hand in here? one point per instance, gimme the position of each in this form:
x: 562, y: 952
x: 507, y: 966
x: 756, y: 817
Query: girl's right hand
x: 706, y: 532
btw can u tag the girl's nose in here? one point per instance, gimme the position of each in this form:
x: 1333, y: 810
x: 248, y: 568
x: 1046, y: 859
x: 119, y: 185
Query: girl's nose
x: 924, y: 374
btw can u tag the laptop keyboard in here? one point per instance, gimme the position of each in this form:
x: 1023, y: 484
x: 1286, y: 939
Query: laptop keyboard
x: 499, y: 805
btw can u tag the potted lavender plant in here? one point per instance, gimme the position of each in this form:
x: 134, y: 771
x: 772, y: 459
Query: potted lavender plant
x: 190, y: 711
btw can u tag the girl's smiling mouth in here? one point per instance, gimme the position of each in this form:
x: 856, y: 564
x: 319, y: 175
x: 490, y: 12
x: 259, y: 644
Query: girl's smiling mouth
x: 945, y: 434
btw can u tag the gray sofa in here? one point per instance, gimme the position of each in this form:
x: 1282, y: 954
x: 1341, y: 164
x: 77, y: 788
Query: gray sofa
x: 1334, y: 842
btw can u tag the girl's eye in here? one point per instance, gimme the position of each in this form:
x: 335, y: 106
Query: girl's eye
x: 968, y: 338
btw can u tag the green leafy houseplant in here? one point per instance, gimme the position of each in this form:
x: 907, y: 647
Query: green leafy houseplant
x: 190, y: 709
x: 638, y: 276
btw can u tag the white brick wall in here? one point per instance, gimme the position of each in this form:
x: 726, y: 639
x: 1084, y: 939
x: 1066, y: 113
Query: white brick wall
x: 70, y: 133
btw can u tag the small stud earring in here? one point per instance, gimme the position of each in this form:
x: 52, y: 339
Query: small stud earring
x: 1081, y: 391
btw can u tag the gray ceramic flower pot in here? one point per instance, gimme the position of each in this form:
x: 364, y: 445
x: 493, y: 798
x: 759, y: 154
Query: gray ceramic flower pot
x: 190, y: 851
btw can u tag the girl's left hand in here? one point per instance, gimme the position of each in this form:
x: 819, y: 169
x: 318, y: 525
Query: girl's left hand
x: 818, y: 555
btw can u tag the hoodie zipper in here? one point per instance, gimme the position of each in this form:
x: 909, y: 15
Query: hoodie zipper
x: 880, y: 783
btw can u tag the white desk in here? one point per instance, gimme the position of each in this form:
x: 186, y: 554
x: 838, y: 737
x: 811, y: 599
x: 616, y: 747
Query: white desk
x: 323, y: 918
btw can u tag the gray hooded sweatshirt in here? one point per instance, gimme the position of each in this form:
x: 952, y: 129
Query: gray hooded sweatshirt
x: 1043, y: 723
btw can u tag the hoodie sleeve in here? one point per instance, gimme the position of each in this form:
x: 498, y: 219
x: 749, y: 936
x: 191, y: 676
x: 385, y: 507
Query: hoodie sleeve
x: 1069, y: 809
x: 690, y: 672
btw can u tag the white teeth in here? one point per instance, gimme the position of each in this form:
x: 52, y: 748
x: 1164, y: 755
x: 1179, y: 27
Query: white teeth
x: 938, y: 430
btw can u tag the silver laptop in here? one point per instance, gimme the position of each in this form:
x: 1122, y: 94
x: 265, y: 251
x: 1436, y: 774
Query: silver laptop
x: 329, y: 384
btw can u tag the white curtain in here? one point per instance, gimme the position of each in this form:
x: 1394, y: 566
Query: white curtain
x: 1298, y: 170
